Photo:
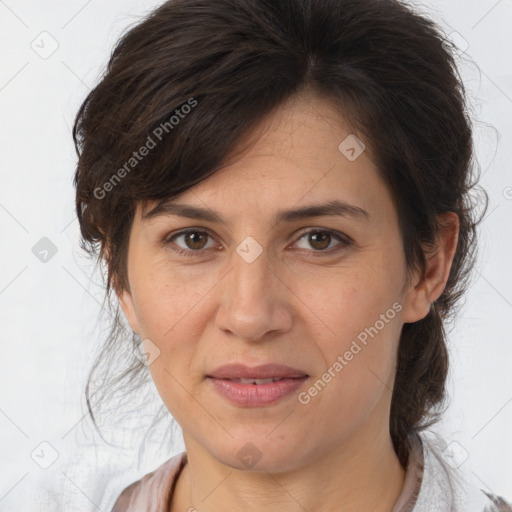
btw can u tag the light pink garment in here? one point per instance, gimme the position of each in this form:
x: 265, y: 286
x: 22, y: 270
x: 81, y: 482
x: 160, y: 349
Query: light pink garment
x: 153, y: 492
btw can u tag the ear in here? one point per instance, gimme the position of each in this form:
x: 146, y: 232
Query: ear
x: 420, y: 295
x: 125, y: 300
x: 127, y: 305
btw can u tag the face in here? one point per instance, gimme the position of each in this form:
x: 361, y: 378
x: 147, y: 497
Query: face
x: 322, y: 294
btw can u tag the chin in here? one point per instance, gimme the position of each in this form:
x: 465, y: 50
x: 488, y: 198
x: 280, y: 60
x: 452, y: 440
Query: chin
x: 259, y: 453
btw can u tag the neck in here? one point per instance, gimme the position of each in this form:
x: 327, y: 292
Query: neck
x: 359, y: 474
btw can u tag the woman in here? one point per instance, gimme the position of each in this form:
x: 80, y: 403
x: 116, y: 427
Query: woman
x: 280, y: 193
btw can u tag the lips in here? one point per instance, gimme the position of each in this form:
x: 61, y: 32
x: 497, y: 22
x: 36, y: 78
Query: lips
x: 262, y: 374
x: 257, y: 386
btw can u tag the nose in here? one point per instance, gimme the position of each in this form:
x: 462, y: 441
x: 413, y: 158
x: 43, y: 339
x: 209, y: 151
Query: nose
x: 254, y: 300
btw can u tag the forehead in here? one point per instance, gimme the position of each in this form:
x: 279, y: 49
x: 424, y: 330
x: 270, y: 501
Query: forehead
x: 300, y: 128
x: 302, y: 153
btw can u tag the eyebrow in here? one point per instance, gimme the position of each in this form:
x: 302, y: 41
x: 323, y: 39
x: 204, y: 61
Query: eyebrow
x: 331, y: 208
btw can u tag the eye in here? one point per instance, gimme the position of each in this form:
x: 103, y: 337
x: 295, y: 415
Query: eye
x: 194, y: 240
x: 320, y: 239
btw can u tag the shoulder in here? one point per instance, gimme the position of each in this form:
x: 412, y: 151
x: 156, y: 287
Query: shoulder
x: 153, y: 491
x: 496, y: 503
x: 446, y: 485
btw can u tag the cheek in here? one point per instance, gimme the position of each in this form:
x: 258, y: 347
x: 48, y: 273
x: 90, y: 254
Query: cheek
x: 167, y: 301
x: 360, y: 301
x: 357, y: 335
x: 173, y: 310
x: 171, y: 313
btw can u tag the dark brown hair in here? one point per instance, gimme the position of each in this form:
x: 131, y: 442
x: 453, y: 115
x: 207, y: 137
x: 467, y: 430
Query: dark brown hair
x: 389, y: 70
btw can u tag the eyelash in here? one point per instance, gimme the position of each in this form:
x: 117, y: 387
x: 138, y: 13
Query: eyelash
x: 345, y: 241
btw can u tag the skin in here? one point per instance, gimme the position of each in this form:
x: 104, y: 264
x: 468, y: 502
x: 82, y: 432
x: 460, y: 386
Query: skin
x: 294, y: 304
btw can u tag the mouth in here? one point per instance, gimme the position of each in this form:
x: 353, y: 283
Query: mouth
x: 259, y: 386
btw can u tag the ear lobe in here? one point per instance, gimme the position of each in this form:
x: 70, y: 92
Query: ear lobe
x: 124, y: 297
x: 439, y: 262
x: 417, y: 304
x: 126, y: 302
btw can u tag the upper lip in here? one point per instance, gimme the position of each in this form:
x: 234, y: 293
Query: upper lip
x: 264, y: 371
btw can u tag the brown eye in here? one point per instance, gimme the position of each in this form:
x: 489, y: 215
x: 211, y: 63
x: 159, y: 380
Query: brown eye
x: 193, y: 241
x: 320, y: 240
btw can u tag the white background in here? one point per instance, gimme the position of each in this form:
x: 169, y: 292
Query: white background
x: 49, y: 312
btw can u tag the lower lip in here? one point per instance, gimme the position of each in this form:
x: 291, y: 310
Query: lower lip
x: 256, y: 395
